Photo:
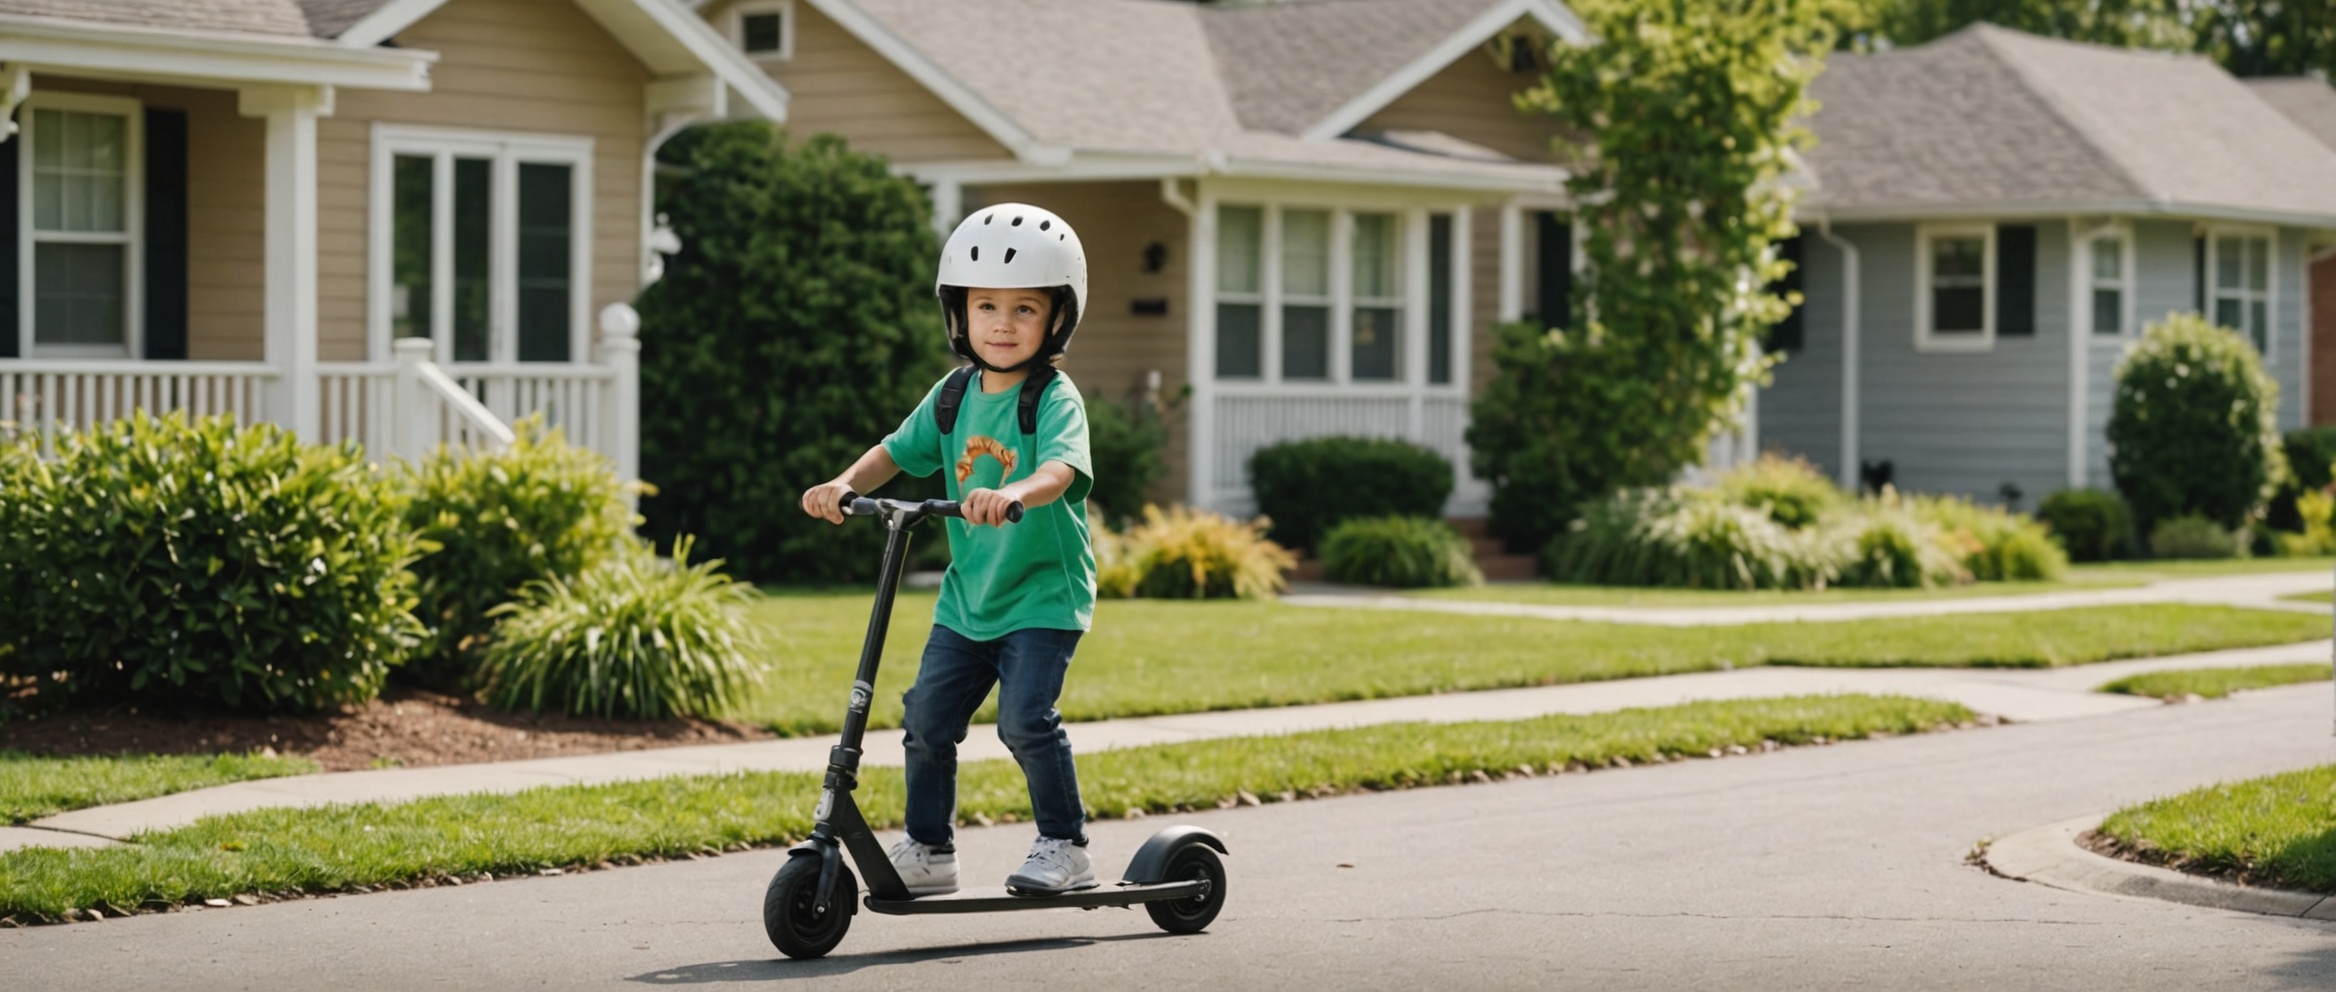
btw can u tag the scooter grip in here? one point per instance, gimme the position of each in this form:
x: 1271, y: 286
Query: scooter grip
x: 856, y: 505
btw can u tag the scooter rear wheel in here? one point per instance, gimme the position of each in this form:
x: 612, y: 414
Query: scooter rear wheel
x: 789, y: 909
x: 1192, y: 861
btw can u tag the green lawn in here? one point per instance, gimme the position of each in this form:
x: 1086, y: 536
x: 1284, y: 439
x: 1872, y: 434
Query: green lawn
x: 2312, y: 597
x: 32, y: 787
x: 2112, y: 575
x: 2278, y: 831
x: 2215, y: 683
x: 1150, y: 657
x: 428, y: 841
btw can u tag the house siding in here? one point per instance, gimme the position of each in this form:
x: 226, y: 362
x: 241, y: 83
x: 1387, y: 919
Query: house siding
x: 838, y: 85
x: 1962, y: 423
x: 1471, y: 99
x: 226, y: 214
x: 1800, y: 411
x: 506, y: 67
x: 1115, y: 347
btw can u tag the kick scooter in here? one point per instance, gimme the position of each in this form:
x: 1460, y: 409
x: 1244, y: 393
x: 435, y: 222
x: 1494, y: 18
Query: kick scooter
x: 1176, y: 874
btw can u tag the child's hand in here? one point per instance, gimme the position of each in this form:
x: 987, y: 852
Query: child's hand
x: 985, y: 506
x: 825, y: 501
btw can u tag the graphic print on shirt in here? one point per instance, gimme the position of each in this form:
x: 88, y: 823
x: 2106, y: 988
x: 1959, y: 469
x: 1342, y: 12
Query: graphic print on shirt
x: 982, y: 444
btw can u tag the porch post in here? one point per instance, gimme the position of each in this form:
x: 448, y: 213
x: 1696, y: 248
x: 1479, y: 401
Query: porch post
x: 291, y: 326
x: 409, y: 433
x: 1512, y: 301
x: 620, y: 350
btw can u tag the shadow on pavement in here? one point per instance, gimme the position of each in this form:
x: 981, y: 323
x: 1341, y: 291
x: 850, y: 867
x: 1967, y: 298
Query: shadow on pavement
x: 782, y: 969
x: 2309, y: 969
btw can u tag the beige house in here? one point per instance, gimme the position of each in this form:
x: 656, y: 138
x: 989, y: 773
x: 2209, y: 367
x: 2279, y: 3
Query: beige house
x: 1309, y: 213
x: 239, y: 205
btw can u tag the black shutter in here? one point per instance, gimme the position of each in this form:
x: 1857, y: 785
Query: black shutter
x: 166, y: 234
x: 1555, y: 239
x: 2015, y: 281
x: 1788, y: 335
x: 8, y: 236
x: 2198, y: 274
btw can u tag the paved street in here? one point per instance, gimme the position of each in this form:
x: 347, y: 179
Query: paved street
x: 1820, y: 868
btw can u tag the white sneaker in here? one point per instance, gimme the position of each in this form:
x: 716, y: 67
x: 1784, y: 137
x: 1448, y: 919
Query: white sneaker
x: 926, y: 871
x: 1055, y: 867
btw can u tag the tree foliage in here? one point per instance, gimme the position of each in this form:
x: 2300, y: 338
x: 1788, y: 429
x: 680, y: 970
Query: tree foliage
x: 794, y: 330
x: 2247, y: 37
x: 1689, y: 109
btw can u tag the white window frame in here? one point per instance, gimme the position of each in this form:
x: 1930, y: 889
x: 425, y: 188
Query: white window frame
x: 2268, y: 296
x: 786, y: 11
x: 1926, y: 338
x: 1410, y: 248
x: 132, y: 237
x: 507, y: 151
x: 2126, y: 284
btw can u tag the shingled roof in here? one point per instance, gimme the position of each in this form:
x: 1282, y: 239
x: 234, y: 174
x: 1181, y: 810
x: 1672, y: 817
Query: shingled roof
x: 275, y: 18
x: 1993, y: 118
x: 1155, y: 77
x: 2309, y: 102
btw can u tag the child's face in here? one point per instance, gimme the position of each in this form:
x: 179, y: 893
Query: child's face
x: 1006, y: 326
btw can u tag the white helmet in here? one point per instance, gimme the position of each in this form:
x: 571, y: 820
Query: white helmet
x: 1013, y: 246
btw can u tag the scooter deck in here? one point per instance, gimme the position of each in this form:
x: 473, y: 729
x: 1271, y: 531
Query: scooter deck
x: 1108, y: 895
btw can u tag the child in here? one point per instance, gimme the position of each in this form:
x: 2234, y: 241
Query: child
x: 1012, y: 284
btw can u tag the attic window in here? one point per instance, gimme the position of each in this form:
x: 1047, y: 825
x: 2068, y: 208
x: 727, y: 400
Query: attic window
x: 1519, y: 51
x: 765, y: 29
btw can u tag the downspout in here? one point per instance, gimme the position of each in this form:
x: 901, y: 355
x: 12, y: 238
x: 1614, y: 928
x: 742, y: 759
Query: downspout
x: 1200, y: 413
x: 1850, y: 332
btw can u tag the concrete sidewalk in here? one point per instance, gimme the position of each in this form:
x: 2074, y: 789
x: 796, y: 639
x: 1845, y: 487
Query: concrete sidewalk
x: 2019, y: 695
x: 2253, y: 591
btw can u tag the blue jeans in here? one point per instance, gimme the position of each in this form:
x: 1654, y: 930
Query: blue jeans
x: 1027, y: 666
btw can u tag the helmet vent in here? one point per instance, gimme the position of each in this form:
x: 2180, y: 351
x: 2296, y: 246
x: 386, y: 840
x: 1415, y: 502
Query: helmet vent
x: 1010, y: 255
x: 986, y: 218
x: 1045, y: 225
x: 1017, y: 222
x: 977, y: 253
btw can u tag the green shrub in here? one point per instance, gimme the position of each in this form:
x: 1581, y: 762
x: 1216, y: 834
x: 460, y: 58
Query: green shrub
x: 1181, y: 553
x: 794, y: 330
x: 2090, y: 524
x: 2310, y: 454
x: 1129, y: 444
x: 1992, y: 544
x: 2191, y: 432
x: 1684, y: 538
x: 1886, y: 546
x: 1400, y: 552
x: 2192, y: 536
x: 495, y: 521
x: 2317, y: 534
x: 633, y: 637
x: 1305, y: 487
x: 1789, y: 490
x: 202, y: 561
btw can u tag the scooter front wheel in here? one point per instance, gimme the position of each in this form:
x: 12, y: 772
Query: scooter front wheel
x: 790, y: 911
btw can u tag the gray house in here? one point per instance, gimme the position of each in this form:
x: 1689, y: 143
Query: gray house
x: 1995, y: 218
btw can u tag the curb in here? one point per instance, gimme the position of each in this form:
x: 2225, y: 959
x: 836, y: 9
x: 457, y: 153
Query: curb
x: 2050, y: 855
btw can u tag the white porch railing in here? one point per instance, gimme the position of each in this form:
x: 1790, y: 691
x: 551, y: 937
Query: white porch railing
x: 1244, y: 423
x: 49, y: 397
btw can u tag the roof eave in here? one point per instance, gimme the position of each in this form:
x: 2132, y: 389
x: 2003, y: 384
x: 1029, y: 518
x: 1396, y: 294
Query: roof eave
x: 2171, y: 209
x: 1103, y: 165
x: 60, y: 46
x: 1549, y: 13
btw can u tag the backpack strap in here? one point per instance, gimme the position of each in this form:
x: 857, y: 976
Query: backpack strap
x: 1033, y: 388
x: 952, y: 397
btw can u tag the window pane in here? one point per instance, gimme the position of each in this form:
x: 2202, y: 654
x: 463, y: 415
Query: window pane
x: 411, y: 181
x: 1958, y: 259
x: 473, y: 206
x: 1238, y: 247
x: 1305, y: 343
x: 1237, y: 346
x: 1958, y: 310
x: 80, y: 182
x: 1377, y: 332
x: 1440, y: 299
x: 761, y: 31
x: 2227, y: 313
x: 2229, y: 262
x: 546, y: 202
x: 1375, y: 256
x: 2108, y: 259
x: 79, y: 294
x: 1306, y: 252
x: 2258, y: 264
x: 2259, y: 325
x: 2108, y: 311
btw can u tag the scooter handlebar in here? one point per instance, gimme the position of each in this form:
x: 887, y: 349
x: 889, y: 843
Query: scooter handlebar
x: 856, y: 505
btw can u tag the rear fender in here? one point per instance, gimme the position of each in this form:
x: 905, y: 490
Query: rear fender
x: 1151, y: 861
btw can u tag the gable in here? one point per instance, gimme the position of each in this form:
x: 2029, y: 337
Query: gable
x: 841, y: 86
x: 1472, y: 99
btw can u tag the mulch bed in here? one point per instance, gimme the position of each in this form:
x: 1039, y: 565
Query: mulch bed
x: 405, y: 727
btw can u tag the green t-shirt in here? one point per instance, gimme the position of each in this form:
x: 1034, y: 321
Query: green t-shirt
x: 1037, y: 573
